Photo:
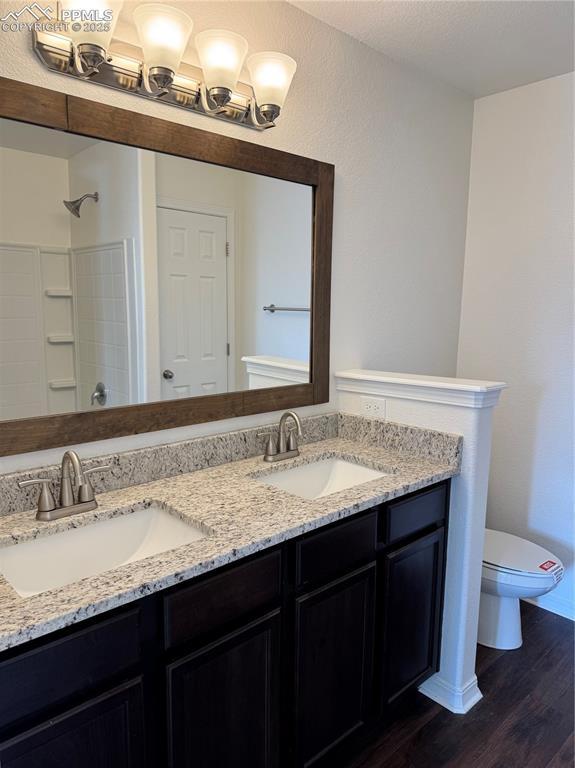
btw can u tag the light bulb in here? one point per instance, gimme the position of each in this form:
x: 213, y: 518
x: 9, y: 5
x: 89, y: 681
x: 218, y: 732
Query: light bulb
x: 222, y: 55
x: 164, y: 32
x: 271, y: 75
x: 91, y: 24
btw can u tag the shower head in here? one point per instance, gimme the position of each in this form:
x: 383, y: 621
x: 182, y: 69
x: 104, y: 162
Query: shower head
x: 74, y: 205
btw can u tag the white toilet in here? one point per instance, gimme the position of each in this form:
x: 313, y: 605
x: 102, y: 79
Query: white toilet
x: 513, y: 568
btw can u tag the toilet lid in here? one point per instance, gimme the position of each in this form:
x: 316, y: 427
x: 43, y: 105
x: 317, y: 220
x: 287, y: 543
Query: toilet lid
x: 502, y: 550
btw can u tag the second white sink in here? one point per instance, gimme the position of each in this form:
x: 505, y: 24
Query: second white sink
x: 53, y: 561
x: 321, y: 478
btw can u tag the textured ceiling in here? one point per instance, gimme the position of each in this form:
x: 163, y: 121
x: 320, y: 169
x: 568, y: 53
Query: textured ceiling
x: 479, y: 46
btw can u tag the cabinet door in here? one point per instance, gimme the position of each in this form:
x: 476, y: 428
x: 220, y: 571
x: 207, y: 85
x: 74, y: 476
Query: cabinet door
x: 412, y: 597
x: 106, y: 732
x: 223, y: 701
x: 334, y: 658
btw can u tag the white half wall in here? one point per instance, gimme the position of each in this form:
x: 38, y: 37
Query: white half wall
x: 465, y: 408
x: 517, y: 311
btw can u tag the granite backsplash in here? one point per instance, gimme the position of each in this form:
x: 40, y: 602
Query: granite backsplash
x: 157, y: 462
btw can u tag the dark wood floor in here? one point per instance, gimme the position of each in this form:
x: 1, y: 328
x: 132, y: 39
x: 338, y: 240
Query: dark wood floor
x: 525, y: 719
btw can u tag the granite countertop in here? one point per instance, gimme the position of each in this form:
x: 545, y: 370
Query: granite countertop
x: 240, y: 516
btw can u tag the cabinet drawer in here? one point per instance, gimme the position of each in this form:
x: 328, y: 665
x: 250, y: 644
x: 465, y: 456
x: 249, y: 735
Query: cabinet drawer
x: 53, y: 672
x: 418, y: 511
x: 221, y: 599
x: 323, y: 556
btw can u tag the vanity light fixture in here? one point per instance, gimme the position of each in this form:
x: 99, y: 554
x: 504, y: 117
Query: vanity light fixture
x: 212, y: 89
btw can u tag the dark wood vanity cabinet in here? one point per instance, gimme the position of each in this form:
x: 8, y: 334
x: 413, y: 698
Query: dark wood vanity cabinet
x: 286, y: 659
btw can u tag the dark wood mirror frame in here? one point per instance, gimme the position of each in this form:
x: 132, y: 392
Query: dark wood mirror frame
x: 51, y: 109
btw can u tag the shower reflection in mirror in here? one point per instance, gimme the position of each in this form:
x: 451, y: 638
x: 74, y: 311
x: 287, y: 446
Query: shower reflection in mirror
x: 118, y: 265
x: 74, y: 205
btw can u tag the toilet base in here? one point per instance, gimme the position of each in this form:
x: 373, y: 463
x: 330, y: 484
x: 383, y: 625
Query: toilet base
x: 499, y: 622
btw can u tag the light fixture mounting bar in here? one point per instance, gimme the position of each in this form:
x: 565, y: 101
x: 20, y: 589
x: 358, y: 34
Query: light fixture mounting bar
x: 55, y: 52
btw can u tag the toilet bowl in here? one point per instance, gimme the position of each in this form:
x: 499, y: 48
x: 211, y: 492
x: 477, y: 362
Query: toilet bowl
x: 513, y: 568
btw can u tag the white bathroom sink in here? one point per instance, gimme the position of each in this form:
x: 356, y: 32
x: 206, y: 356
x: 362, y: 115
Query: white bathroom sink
x: 321, y: 478
x: 62, y: 558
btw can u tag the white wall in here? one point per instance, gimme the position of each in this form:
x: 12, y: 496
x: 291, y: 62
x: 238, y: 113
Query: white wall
x: 275, y: 267
x: 103, y: 323
x: 191, y: 182
x: 400, y: 143
x: 112, y: 171
x: 32, y: 188
x: 517, y: 311
x: 149, y: 321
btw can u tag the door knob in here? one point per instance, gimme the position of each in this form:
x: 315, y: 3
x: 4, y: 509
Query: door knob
x: 167, y: 374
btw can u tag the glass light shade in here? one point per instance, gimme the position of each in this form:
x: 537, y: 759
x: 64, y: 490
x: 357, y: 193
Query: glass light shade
x: 164, y: 33
x: 271, y: 75
x: 222, y: 55
x: 89, y: 15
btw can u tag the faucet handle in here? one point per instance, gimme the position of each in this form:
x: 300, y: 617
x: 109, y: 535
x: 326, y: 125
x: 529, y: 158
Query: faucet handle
x: 271, y: 445
x: 99, y: 468
x: 46, y: 501
x: 86, y: 491
x: 292, y: 440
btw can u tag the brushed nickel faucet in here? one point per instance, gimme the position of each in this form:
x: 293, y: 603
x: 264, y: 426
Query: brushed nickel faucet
x: 70, y: 503
x: 70, y: 459
x: 286, y: 446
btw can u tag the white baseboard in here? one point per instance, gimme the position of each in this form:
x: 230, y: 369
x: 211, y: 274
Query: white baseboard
x: 457, y: 700
x: 554, y: 604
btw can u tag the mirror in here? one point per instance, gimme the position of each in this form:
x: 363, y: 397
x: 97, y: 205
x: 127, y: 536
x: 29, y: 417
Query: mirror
x: 131, y: 276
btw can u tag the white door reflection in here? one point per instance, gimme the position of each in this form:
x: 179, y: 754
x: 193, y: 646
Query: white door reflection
x: 193, y: 296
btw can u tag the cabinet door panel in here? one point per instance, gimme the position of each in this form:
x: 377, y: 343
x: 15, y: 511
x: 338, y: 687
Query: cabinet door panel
x: 413, y: 589
x: 106, y: 732
x: 334, y: 636
x: 223, y: 701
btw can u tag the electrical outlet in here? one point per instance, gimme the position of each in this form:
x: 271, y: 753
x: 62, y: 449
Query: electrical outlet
x: 374, y: 407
